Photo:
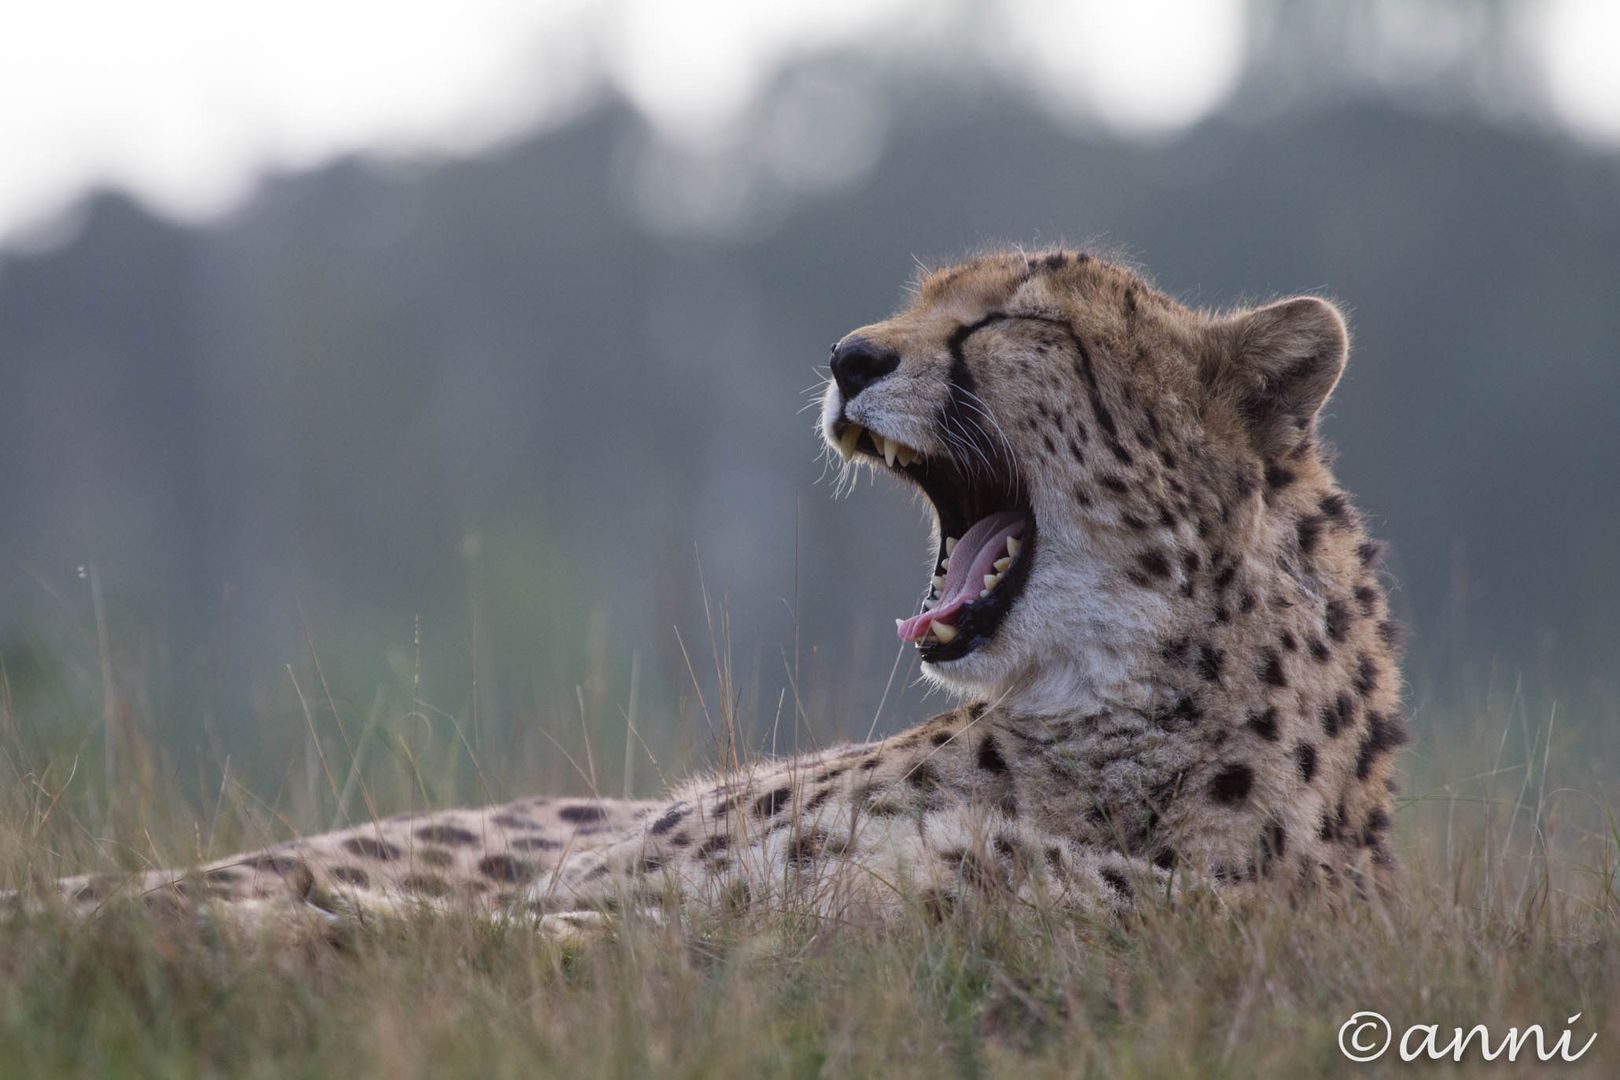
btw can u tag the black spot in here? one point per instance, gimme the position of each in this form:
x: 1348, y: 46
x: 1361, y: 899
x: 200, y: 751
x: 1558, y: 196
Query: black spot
x: 515, y: 821
x: 1383, y: 735
x: 1180, y: 716
x: 371, y: 848
x: 1131, y: 521
x: 1117, y: 881
x: 1232, y: 784
x: 535, y: 843
x: 771, y: 803
x: 1391, y: 633
x: 1370, y: 553
x: 505, y: 868
x: 1154, y: 564
x: 1278, y: 476
x: 1056, y: 260
x: 1377, y: 823
x: 671, y: 818
x: 1271, y: 669
x: 1223, y: 580
x: 1120, y: 452
x: 1337, y: 620
x: 990, y: 759
x: 351, y: 875
x: 1190, y: 562
x: 1305, y: 758
x: 1209, y: 663
x: 714, y: 845
x: 284, y: 865
x: 1319, y: 650
x: 1165, y: 858
x: 1273, y: 844
x: 1334, y: 507
x: 1367, y: 597
x: 425, y: 884
x: 220, y: 874
x: 1246, y: 603
x: 433, y: 856
x: 446, y: 834
x: 581, y: 812
x: 1114, y: 484
x: 1366, y: 675
x: 650, y: 863
x: 1338, y: 715
x: 818, y: 798
x: 923, y: 776
x: 1264, y: 724
x: 1310, y: 533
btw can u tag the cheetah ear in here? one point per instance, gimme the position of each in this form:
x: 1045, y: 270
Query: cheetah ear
x: 1277, y: 365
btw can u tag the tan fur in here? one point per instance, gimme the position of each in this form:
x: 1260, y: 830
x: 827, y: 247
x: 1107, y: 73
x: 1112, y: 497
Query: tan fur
x: 1198, y: 682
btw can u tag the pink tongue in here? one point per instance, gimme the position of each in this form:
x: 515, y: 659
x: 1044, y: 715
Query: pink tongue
x: 975, y: 556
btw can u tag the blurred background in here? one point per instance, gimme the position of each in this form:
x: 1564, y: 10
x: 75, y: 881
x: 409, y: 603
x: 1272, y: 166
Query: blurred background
x: 443, y: 365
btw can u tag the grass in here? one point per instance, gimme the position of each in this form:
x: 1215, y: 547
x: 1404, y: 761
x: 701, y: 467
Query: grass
x: 1509, y: 916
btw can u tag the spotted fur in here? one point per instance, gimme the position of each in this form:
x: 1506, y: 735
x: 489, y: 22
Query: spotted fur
x: 1197, y: 682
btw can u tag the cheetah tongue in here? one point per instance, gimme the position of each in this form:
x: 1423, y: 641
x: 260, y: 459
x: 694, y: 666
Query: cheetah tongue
x: 974, y: 557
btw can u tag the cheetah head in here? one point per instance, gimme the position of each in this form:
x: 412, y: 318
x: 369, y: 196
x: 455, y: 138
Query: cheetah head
x: 1079, y: 437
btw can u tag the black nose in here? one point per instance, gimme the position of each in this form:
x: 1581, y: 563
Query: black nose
x: 857, y: 364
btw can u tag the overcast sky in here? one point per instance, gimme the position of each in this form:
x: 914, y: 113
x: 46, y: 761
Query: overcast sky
x: 185, y: 103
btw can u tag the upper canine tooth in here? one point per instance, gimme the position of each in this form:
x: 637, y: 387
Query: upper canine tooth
x: 1002, y: 564
x: 847, y: 441
x: 991, y: 581
x: 944, y: 631
x: 888, y: 451
x: 950, y: 544
x: 1013, y: 545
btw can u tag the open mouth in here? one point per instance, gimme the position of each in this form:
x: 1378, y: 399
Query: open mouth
x: 987, y: 541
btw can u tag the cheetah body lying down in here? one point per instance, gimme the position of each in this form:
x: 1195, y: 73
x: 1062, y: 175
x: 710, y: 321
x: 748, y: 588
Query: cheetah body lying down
x: 1159, y: 612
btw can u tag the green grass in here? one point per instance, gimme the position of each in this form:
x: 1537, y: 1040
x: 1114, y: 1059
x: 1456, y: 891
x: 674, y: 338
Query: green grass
x: 1509, y: 915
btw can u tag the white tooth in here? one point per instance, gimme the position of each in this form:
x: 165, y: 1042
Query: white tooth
x: 983, y: 593
x: 991, y: 581
x: 945, y: 563
x: 1002, y: 564
x: 847, y: 441
x: 906, y: 454
x: 1013, y: 545
x: 944, y: 631
x: 950, y: 544
x: 888, y: 451
x: 938, y: 582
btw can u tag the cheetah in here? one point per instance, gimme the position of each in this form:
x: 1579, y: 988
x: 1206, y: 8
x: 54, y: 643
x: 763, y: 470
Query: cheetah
x: 1161, y: 617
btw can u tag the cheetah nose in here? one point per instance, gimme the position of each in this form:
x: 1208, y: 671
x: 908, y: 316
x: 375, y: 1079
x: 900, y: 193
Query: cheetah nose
x: 857, y: 364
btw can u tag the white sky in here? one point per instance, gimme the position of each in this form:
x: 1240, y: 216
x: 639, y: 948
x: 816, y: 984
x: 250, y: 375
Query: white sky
x: 185, y: 103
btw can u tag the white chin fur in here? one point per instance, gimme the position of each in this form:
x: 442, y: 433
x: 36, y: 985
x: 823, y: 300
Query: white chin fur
x: 1078, y: 637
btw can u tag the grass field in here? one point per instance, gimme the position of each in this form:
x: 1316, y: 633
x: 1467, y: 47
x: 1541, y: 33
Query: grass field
x: 1509, y: 916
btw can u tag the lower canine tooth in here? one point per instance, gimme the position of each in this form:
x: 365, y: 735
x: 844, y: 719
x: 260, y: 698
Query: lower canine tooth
x: 945, y: 632
x: 991, y: 581
x: 938, y: 581
x: 950, y: 544
x: 1013, y: 545
x: 1002, y: 564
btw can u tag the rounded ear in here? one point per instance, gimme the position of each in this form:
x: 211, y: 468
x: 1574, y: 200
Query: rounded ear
x: 1277, y: 365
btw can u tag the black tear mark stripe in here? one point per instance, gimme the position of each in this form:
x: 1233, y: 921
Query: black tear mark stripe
x: 962, y: 379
